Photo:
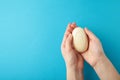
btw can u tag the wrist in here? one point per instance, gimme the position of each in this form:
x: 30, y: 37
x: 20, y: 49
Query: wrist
x: 102, y: 59
x: 105, y: 70
x: 74, y: 68
x: 74, y: 73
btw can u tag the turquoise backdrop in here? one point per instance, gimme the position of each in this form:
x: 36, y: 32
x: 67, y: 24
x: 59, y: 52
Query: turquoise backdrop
x: 31, y: 32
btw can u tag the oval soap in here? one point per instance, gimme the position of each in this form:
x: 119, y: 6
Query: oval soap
x: 80, y: 40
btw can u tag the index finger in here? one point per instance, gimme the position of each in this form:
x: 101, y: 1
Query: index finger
x: 66, y: 35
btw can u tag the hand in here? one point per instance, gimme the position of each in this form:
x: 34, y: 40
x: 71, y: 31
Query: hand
x: 71, y: 56
x: 95, y: 50
x: 73, y: 60
x: 96, y: 58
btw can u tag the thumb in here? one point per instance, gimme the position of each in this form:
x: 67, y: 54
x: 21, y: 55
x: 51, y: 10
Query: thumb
x: 90, y: 34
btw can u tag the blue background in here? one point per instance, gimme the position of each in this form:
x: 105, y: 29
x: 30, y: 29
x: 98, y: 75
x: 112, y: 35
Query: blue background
x: 31, y: 32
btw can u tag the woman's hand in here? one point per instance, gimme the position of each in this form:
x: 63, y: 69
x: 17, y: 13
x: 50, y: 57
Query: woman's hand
x: 95, y: 50
x: 96, y: 58
x: 73, y: 60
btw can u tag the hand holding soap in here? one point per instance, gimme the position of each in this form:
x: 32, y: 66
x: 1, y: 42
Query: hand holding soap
x: 80, y: 40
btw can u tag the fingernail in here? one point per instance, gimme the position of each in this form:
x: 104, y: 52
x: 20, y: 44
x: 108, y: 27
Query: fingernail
x: 74, y: 23
x: 86, y: 28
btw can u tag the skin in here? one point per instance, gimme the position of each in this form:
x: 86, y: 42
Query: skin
x: 94, y: 56
x: 73, y: 60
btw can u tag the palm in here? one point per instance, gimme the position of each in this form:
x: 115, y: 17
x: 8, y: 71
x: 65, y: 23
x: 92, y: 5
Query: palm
x: 93, y: 53
x: 78, y: 60
x: 71, y: 56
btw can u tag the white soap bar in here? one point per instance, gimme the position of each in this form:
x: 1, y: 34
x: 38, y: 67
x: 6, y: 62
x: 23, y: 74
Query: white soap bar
x: 80, y: 40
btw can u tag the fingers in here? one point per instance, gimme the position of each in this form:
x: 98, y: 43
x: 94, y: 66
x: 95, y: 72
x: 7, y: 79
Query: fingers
x: 69, y: 30
x: 69, y: 42
x: 65, y: 35
x: 64, y: 38
x: 90, y: 34
x: 71, y: 27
